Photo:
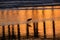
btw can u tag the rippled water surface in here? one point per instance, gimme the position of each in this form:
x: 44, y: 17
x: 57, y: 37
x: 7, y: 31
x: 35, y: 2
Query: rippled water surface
x: 17, y: 16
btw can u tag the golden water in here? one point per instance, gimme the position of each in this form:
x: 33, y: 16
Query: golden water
x: 22, y: 16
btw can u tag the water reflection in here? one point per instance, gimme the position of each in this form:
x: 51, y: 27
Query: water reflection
x: 11, y: 17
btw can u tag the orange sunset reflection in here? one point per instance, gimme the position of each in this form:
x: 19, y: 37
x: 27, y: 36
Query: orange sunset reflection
x: 22, y: 16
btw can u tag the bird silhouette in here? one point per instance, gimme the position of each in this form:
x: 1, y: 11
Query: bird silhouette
x: 29, y: 20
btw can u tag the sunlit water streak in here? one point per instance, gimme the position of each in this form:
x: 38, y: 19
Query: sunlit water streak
x: 12, y: 17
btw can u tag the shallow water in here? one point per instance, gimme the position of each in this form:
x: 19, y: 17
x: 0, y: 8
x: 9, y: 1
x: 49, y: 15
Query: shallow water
x: 12, y: 16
